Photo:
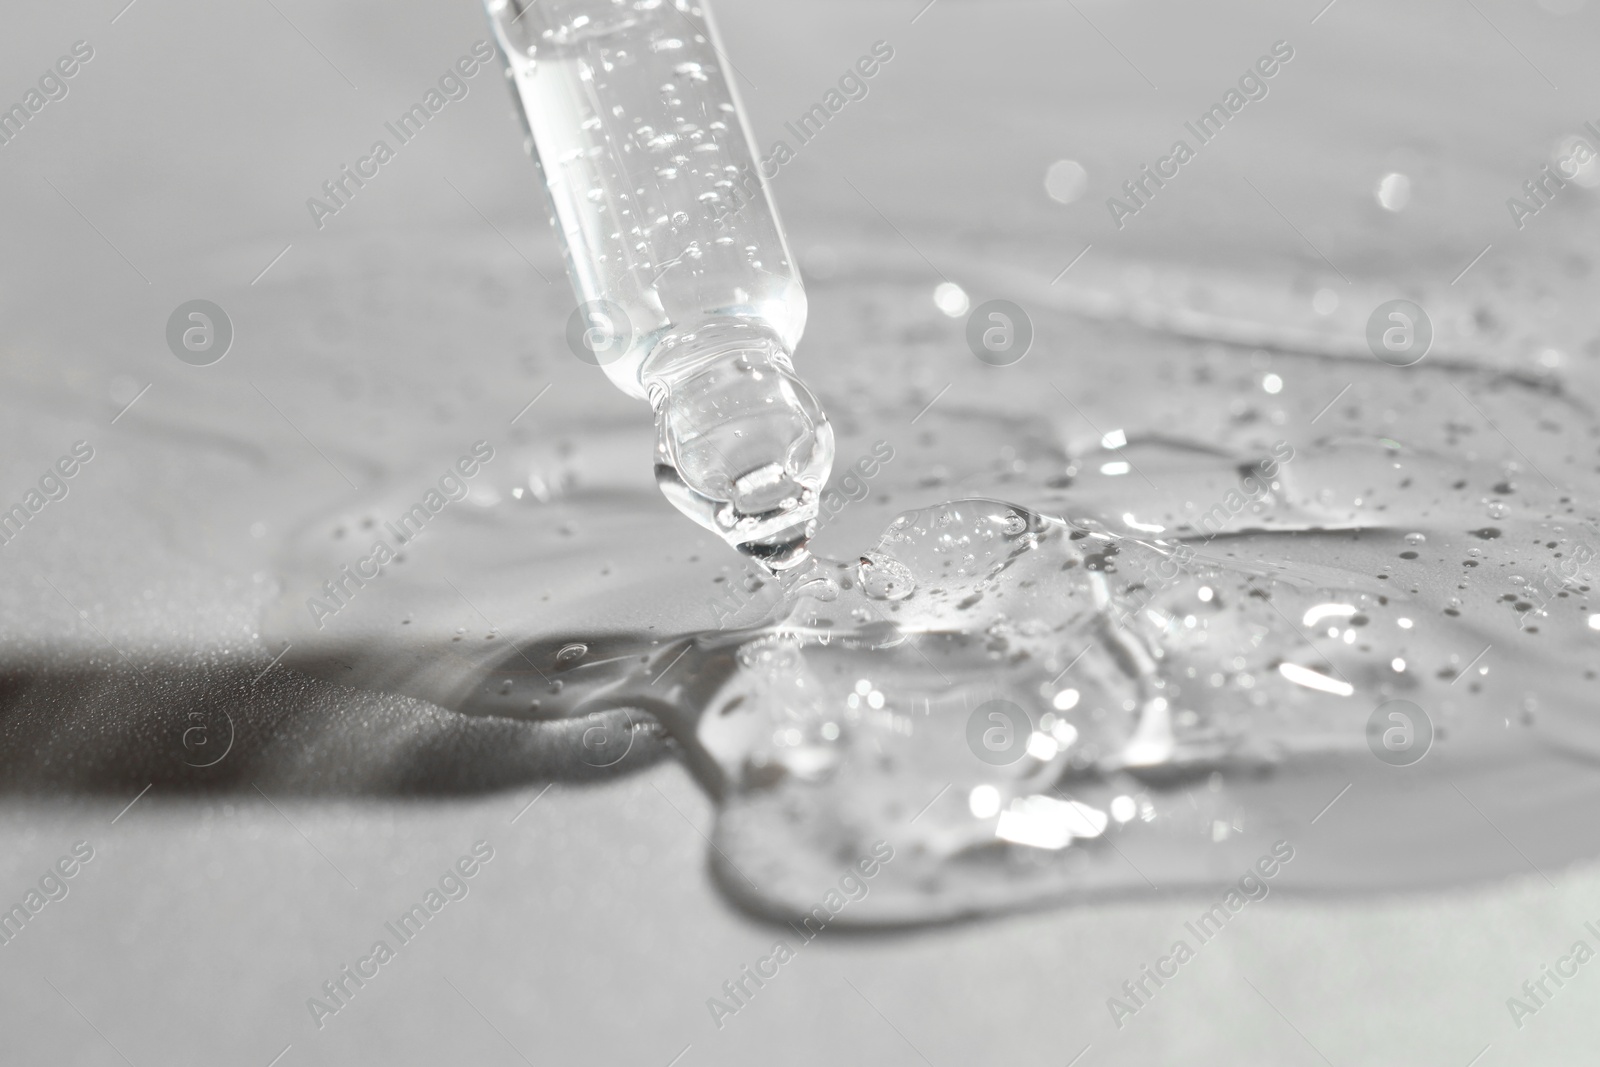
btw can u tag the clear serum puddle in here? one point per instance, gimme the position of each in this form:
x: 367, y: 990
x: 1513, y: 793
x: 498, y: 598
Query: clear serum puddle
x: 1086, y: 699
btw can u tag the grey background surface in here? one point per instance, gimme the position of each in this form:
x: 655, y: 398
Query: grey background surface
x: 178, y: 167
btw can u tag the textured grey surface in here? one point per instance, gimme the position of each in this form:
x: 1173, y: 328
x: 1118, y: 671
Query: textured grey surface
x: 178, y: 167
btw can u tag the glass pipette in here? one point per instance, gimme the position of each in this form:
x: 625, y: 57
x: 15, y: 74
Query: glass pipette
x: 688, y: 296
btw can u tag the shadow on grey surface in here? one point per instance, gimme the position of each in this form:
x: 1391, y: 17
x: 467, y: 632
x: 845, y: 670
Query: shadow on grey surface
x: 231, y: 729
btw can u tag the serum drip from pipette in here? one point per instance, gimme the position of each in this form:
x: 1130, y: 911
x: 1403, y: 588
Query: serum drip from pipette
x: 688, y: 295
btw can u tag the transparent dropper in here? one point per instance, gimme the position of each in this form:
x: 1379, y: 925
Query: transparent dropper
x: 688, y: 296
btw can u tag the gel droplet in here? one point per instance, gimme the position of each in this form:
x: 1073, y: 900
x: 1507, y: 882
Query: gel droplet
x: 886, y: 578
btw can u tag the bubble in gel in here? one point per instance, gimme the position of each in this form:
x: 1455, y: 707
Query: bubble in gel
x: 886, y: 578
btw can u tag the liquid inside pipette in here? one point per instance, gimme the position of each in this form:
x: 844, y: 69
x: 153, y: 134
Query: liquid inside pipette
x: 676, y: 255
x: 745, y: 444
